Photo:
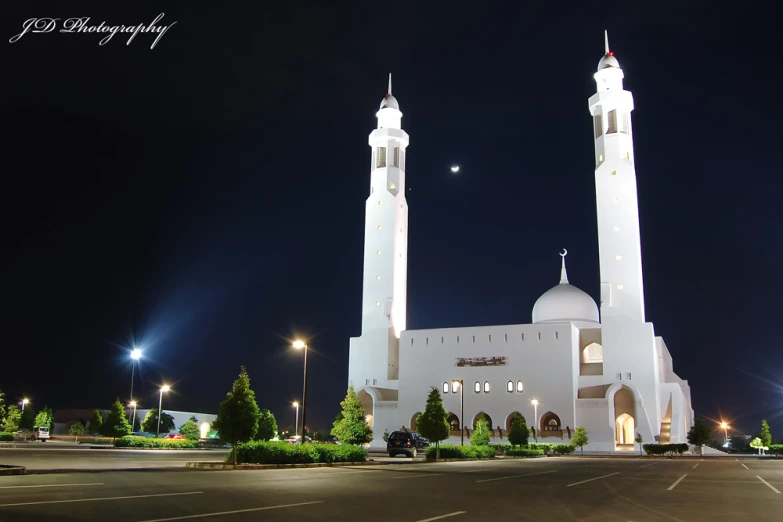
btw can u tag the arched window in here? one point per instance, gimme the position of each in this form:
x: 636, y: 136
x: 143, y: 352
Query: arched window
x: 510, y: 386
x: 445, y: 387
x: 520, y: 387
x: 454, y: 386
x: 486, y: 386
x: 477, y: 387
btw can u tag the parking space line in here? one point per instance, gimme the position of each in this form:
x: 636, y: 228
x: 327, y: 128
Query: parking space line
x: 592, y: 479
x: 447, y: 515
x: 53, y: 485
x: 694, y: 467
x: 744, y: 466
x: 265, y: 508
x: 648, y: 465
x: 768, y: 484
x: 416, y: 475
x: 676, y: 482
x: 97, y: 499
x: 517, y: 476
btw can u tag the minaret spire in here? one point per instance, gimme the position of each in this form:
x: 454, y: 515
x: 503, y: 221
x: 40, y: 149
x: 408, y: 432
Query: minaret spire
x: 389, y: 91
x: 563, y: 274
x: 606, y: 51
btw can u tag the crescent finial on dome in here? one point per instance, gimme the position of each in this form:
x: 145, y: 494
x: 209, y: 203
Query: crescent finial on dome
x: 563, y: 274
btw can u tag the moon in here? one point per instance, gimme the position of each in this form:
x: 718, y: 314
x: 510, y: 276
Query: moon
x: 455, y: 168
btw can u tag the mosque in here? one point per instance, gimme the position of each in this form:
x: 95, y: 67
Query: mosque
x: 571, y: 366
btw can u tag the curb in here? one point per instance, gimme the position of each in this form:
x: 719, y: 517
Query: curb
x: 224, y: 467
x: 12, y: 470
x: 104, y: 470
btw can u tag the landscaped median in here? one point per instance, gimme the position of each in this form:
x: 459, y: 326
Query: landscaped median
x: 6, y: 437
x: 262, y: 455
x: 150, y: 443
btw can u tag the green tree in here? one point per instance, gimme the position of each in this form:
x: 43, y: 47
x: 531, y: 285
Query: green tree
x: 580, y: 438
x: 116, y: 424
x: 95, y: 423
x: 386, y: 435
x: 12, y: 418
x: 43, y: 419
x: 353, y: 427
x: 639, y: 439
x: 432, y: 423
x: 190, y: 429
x: 765, y: 436
x: 237, y: 419
x: 150, y: 422
x: 757, y: 443
x: 700, y: 434
x: 480, y: 435
x: 77, y: 430
x: 28, y: 418
x: 267, y: 426
x: 738, y: 443
x: 519, y: 434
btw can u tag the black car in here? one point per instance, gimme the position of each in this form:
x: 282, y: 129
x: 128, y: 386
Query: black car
x: 405, y: 442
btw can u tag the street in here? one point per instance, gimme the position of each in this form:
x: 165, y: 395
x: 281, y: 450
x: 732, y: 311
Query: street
x: 562, y: 488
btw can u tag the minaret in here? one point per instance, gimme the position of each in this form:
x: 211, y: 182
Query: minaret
x: 374, y: 358
x: 622, y: 288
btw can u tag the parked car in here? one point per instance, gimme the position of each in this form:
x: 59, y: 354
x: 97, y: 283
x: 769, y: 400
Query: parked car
x: 175, y: 436
x: 406, y: 442
x: 297, y: 440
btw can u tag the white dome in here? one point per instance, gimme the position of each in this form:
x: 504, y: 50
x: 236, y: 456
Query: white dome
x: 608, y: 61
x: 565, y: 303
x: 390, y: 101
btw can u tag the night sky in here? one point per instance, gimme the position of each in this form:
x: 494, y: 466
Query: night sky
x: 205, y: 199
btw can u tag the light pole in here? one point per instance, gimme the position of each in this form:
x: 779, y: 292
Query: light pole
x: 301, y: 345
x: 296, y: 421
x: 163, y: 388
x: 24, y: 401
x: 461, y: 410
x: 133, y: 421
x: 725, y: 431
x: 534, y: 402
x: 135, y: 356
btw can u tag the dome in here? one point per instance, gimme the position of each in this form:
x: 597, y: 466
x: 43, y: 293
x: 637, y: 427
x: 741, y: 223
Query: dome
x: 390, y: 101
x: 565, y: 303
x: 608, y: 61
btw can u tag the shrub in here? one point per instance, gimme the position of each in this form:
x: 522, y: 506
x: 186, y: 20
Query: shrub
x: 776, y: 449
x: 6, y: 437
x: 665, y: 449
x: 448, y: 451
x: 148, y: 443
x: 524, y: 452
x: 501, y: 448
x: 260, y: 452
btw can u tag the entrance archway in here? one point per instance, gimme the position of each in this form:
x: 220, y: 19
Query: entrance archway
x: 624, y: 428
x: 487, y: 417
x: 550, y: 424
x: 414, y: 419
x: 453, y: 421
x: 510, y: 418
x: 367, y: 405
x: 625, y: 418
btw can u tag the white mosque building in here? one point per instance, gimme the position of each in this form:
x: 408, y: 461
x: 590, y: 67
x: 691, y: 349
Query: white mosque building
x: 571, y: 366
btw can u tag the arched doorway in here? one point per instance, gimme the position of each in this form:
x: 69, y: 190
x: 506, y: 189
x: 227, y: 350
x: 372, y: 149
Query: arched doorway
x: 550, y: 425
x: 487, y: 417
x: 453, y: 421
x: 367, y: 405
x: 510, y: 418
x: 625, y: 419
x: 414, y: 419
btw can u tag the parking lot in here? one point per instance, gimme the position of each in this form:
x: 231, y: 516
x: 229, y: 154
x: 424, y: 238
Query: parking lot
x: 560, y: 488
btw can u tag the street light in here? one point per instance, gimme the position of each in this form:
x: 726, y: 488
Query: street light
x: 163, y: 388
x: 296, y: 421
x: 301, y: 345
x: 534, y: 402
x: 725, y: 431
x: 135, y: 356
x: 461, y: 410
x: 133, y: 422
x: 24, y: 401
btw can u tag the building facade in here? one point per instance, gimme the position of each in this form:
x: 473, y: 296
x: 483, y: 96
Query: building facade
x: 572, y: 366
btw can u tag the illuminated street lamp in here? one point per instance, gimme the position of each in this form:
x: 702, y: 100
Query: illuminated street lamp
x: 725, y: 431
x: 301, y: 345
x: 461, y: 409
x: 24, y: 401
x: 163, y: 388
x: 534, y: 402
x: 135, y: 356
x: 133, y: 421
x: 296, y: 421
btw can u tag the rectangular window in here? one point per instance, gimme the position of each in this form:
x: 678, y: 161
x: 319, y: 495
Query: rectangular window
x: 628, y: 376
x: 474, y: 339
x: 539, y: 336
x: 557, y: 336
x: 393, y: 186
x: 381, y: 157
x: 458, y: 339
x: 598, y: 126
x: 441, y: 340
x: 627, y: 155
x: 505, y: 338
x: 402, y: 160
x: 523, y: 337
x: 619, y: 376
x: 411, y: 341
x: 426, y: 340
x: 624, y: 123
x: 600, y: 158
x: 490, y: 337
x: 611, y: 123
x: 397, y: 157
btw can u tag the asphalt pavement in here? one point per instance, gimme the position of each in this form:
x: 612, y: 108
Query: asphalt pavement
x: 556, y: 489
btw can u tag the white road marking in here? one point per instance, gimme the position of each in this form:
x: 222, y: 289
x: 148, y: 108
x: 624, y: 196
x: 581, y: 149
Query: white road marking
x: 592, y: 479
x: 53, y: 485
x: 768, y: 484
x: 97, y: 499
x: 744, y: 466
x: 442, y: 516
x: 204, y: 515
x: 474, y: 471
x: 694, y: 467
x: 516, y: 476
x: 676, y: 482
x: 416, y: 475
x: 648, y: 465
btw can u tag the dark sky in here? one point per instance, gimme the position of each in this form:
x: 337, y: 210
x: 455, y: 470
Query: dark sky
x: 205, y: 199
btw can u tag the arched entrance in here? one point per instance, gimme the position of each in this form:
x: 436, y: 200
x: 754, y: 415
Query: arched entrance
x: 414, y: 419
x: 453, y: 421
x: 510, y: 418
x: 625, y: 419
x: 550, y: 425
x: 487, y: 417
x: 367, y: 405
